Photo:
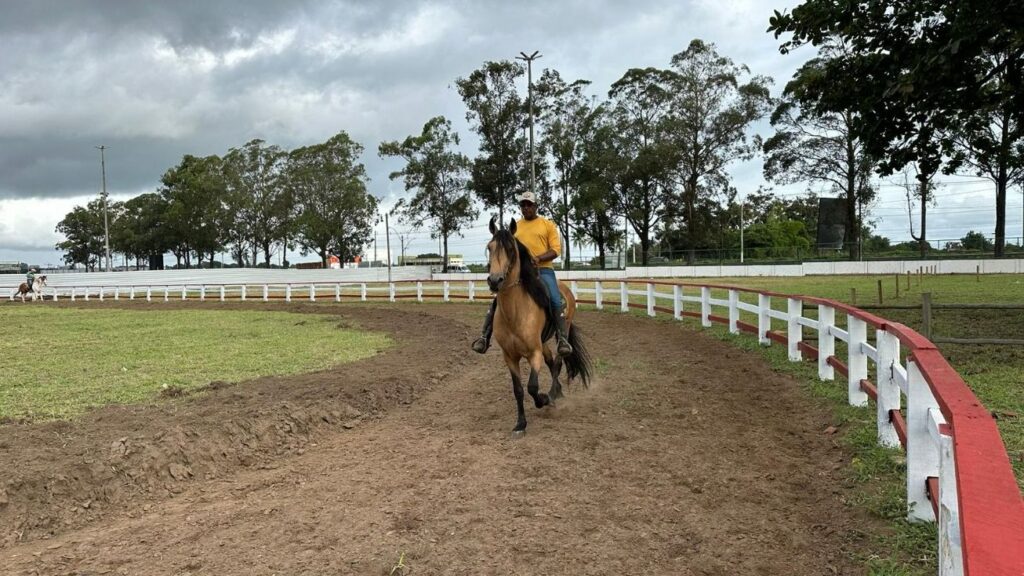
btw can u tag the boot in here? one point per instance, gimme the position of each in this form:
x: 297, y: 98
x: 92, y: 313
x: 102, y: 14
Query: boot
x: 564, y: 348
x: 481, y: 344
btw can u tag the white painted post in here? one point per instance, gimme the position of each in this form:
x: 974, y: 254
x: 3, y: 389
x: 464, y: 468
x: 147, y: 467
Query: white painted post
x: 922, y: 452
x: 202, y: 292
x: 222, y: 288
x: 184, y: 292
x: 764, y: 320
x: 650, y: 299
x: 705, y: 306
x: 86, y: 293
x: 734, y: 312
x: 287, y: 292
x: 73, y: 290
x: 54, y: 293
x: 167, y: 293
x: 391, y: 291
x: 677, y: 302
x: 312, y: 293
x: 419, y: 291
x: 149, y: 293
x: 826, y: 341
x: 131, y: 293
x: 117, y: 293
x: 794, y: 330
x: 574, y: 288
x: 102, y: 290
x: 362, y: 291
x: 598, y: 295
x: 472, y: 290
x: 337, y: 292
x: 243, y: 292
x: 951, y: 556
x: 623, y: 297
x: 447, y: 288
x: 888, y: 347
x: 856, y: 361
x: 266, y: 293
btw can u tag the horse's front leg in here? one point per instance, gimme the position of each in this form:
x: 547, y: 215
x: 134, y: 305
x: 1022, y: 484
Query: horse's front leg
x: 540, y: 399
x: 554, y: 363
x: 517, y: 390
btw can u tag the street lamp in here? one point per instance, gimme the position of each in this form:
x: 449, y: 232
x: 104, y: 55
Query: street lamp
x: 106, y: 227
x: 529, y: 88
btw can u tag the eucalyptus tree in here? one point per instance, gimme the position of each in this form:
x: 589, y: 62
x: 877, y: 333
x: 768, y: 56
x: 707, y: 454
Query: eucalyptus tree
x: 257, y: 195
x: 193, y: 192
x: 436, y: 175
x: 334, y: 211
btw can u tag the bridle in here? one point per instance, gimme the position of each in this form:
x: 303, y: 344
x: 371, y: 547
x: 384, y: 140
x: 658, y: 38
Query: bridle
x: 508, y: 269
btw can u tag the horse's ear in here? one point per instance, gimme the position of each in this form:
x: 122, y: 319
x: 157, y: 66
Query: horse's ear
x: 512, y: 226
x: 493, y: 229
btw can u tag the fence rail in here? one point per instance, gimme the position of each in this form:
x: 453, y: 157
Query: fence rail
x: 958, y: 472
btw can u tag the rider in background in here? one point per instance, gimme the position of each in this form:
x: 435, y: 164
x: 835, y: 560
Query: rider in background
x: 540, y: 236
x: 30, y: 278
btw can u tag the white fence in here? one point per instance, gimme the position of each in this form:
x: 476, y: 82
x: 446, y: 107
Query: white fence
x: 958, y: 471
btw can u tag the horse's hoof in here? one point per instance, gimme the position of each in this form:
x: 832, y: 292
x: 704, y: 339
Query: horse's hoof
x: 517, y: 434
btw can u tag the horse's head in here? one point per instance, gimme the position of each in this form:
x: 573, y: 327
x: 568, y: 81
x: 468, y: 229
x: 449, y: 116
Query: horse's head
x: 503, y: 255
x: 41, y: 280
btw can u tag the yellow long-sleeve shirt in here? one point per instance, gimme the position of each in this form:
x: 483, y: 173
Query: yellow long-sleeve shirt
x: 539, y: 235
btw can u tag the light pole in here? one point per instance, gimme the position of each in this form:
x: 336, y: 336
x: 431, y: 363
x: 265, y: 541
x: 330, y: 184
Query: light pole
x: 741, y: 230
x: 106, y: 226
x: 529, y: 89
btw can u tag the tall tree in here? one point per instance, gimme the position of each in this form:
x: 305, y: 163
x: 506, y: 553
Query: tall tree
x: 594, y: 177
x: 83, y: 234
x: 436, y: 174
x: 497, y: 114
x: 820, y: 148
x: 141, y: 230
x: 335, y: 213
x: 917, y: 72
x: 257, y: 194
x: 194, y: 192
x: 711, y: 109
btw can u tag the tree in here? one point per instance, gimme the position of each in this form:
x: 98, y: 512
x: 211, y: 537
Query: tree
x: 437, y: 176
x: 496, y: 113
x: 811, y: 147
x: 335, y: 213
x: 976, y: 241
x: 594, y: 176
x: 920, y: 73
x: 141, y: 231
x: 566, y: 116
x: 194, y: 192
x: 710, y: 113
x: 646, y: 157
x: 83, y: 232
x: 257, y: 195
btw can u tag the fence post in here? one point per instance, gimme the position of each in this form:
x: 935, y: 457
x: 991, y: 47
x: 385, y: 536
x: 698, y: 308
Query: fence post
x: 362, y: 291
x: 853, y: 296
x: 101, y: 293
x: 222, y: 290
x: 794, y: 330
x: 117, y: 293
x: 623, y: 297
x: 888, y: 347
x: 419, y: 291
x: 131, y: 293
x: 337, y: 292
x: 86, y: 293
x: 391, y: 291
x: 926, y: 314
x: 54, y: 293
x: 202, y: 292
x: 446, y: 291
x: 287, y: 292
x: 951, y: 556
x: 598, y: 295
x: 764, y: 319
x: 826, y: 341
x: 857, y: 360
x: 879, y: 291
x: 149, y: 293
x: 897, y: 287
x: 705, y: 306
x: 922, y: 453
x: 472, y: 290
x: 167, y: 293
x: 650, y: 299
x: 73, y: 290
x: 243, y: 292
x: 312, y: 292
x: 734, y: 311
x: 575, y: 289
x: 266, y: 293
x: 677, y: 302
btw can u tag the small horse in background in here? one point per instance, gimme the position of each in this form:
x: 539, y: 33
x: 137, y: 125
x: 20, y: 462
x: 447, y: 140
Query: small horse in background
x: 523, y: 322
x: 37, y: 285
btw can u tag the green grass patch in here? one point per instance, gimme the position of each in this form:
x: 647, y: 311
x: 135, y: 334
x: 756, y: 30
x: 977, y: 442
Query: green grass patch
x: 75, y: 359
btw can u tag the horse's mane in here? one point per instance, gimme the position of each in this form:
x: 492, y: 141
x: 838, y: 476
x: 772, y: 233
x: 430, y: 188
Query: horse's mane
x: 529, y: 278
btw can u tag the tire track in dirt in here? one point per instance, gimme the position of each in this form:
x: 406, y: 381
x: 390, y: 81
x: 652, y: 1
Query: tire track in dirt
x: 686, y: 457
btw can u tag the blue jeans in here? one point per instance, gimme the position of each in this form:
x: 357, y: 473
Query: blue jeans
x: 547, y: 276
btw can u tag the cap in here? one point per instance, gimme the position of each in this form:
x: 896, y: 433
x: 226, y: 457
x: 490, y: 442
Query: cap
x: 528, y: 197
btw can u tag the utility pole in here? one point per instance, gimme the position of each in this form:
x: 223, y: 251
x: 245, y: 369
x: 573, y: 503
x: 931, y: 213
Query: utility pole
x: 387, y: 235
x: 106, y: 226
x: 529, y: 88
x: 741, y: 231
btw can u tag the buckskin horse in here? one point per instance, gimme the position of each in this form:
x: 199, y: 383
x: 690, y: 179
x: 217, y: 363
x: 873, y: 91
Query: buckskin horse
x: 37, y: 285
x: 523, y: 322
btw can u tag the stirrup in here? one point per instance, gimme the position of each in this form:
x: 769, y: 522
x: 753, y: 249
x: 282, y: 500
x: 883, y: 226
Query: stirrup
x: 564, y: 348
x: 481, y: 344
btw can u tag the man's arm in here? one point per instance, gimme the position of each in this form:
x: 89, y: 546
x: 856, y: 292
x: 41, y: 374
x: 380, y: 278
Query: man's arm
x: 554, y: 244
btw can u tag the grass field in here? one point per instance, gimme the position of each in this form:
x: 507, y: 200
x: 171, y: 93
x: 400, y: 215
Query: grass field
x: 80, y: 358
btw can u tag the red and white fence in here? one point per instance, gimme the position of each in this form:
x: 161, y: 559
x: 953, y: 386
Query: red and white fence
x: 958, y: 472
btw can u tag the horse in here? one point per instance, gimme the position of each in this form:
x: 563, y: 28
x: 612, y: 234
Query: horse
x: 37, y: 285
x: 523, y: 322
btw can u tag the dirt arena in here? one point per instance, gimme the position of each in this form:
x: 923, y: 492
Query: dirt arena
x: 685, y: 457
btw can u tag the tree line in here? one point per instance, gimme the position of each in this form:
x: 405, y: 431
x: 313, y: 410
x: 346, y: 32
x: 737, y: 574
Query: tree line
x: 938, y: 91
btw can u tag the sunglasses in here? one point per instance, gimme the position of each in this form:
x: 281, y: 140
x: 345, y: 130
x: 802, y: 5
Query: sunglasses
x: 526, y: 204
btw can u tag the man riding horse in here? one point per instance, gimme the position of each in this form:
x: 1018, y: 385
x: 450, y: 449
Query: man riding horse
x: 30, y: 278
x: 540, y: 236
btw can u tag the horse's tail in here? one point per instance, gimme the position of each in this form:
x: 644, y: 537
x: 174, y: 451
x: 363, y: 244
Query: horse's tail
x: 578, y: 363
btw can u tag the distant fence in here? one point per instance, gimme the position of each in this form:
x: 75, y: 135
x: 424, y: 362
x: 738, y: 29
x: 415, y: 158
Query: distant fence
x: 958, y: 472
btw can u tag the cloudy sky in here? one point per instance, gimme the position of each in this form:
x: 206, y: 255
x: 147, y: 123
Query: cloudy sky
x: 154, y: 81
